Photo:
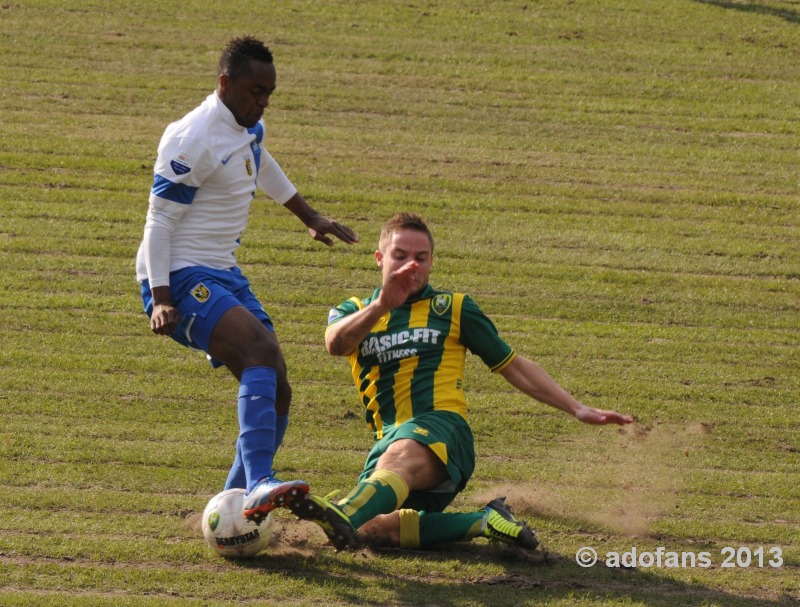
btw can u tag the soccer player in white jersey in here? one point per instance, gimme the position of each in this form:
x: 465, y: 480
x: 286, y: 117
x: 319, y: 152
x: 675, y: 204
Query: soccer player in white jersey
x: 210, y: 164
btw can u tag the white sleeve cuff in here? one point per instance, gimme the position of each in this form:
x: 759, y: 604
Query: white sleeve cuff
x: 162, y: 217
x: 273, y: 180
x: 156, y: 255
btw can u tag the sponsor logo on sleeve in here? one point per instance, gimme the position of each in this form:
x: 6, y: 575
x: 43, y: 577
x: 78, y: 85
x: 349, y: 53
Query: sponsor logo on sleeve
x: 181, y: 164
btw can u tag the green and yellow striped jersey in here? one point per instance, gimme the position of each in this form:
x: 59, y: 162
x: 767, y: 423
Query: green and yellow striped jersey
x: 412, y: 361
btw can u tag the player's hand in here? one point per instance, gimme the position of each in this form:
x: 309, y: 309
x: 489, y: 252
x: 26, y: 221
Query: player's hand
x: 399, y: 285
x: 164, y: 320
x: 599, y: 417
x: 319, y: 227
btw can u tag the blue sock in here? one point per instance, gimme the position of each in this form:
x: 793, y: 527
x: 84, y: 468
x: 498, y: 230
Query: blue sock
x: 281, y: 423
x: 236, y: 476
x: 256, y: 442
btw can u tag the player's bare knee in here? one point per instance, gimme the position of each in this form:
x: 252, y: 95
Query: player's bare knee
x: 258, y: 349
x: 400, y: 451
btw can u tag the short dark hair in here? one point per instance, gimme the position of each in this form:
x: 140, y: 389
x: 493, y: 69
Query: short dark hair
x: 404, y: 221
x: 238, y: 53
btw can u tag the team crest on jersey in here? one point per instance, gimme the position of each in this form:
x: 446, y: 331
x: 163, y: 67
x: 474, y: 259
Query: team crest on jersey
x: 441, y: 303
x: 201, y: 293
x: 421, y: 431
x: 249, y: 166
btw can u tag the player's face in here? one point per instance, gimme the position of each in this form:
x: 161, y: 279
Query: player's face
x: 248, y: 95
x: 403, y: 246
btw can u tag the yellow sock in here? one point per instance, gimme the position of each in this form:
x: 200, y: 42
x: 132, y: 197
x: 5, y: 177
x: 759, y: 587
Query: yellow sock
x: 409, y: 528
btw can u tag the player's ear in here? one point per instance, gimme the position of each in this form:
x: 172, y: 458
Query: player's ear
x: 223, y: 82
x: 379, y: 258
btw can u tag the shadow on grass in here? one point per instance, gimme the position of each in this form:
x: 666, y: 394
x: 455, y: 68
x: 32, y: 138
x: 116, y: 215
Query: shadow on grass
x: 447, y: 577
x: 786, y: 14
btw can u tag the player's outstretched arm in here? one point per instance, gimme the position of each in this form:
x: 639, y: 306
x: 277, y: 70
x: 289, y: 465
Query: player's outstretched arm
x: 531, y: 379
x: 318, y: 226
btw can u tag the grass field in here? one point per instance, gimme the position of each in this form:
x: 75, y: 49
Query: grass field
x: 615, y: 183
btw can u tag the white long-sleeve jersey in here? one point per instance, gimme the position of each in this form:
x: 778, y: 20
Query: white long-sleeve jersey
x: 206, y: 174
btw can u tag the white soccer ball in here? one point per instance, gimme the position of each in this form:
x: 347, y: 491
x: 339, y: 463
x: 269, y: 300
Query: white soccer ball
x: 228, y: 532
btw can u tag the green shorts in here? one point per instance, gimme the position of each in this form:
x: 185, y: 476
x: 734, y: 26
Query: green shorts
x: 450, y: 437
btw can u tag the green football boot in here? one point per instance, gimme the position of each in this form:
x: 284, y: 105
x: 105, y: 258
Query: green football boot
x: 500, y: 525
x: 330, y: 518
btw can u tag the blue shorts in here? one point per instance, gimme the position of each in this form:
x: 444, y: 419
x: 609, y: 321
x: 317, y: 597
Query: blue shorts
x: 202, y: 295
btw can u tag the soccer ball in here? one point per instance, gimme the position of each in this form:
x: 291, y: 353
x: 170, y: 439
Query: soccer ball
x: 228, y: 532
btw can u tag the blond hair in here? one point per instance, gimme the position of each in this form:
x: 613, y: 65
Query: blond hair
x: 404, y: 221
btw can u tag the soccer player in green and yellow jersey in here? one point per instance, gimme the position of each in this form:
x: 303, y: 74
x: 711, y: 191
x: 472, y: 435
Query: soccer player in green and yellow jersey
x: 407, y: 346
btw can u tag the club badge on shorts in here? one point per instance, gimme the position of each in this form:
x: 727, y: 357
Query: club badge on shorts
x: 201, y: 293
x: 441, y: 303
x: 248, y: 165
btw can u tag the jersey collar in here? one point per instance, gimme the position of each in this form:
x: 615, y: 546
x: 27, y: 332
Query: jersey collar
x: 225, y: 114
x: 426, y: 292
